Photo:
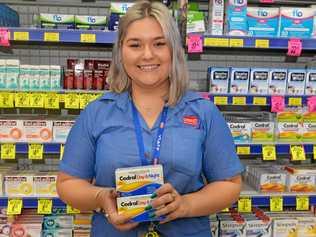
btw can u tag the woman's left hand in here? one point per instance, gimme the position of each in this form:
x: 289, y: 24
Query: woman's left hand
x: 170, y: 203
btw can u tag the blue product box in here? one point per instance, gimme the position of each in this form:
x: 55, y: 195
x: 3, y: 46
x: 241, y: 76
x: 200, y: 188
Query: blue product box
x: 277, y: 81
x: 239, y: 80
x: 219, y: 79
x: 236, y: 17
x: 296, y: 81
x: 259, y: 81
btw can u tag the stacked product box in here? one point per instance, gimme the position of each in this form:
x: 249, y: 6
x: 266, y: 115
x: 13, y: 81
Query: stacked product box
x: 296, y: 81
x: 59, y: 21
x: 301, y: 179
x: 195, y: 19
x: 90, y: 22
x: 239, y: 80
x: 277, y: 81
x: 236, y: 17
x: 218, y: 78
x: 117, y: 9
x: 82, y: 225
x: 259, y: 81
x: 58, y: 225
x: 289, y: 125
x: 309, y: 126
x: 8, y: 17
x: 310, y: 88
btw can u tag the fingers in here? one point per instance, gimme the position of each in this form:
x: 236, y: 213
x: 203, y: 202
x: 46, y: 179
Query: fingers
x: 165, y: 188
x: 121, y: 222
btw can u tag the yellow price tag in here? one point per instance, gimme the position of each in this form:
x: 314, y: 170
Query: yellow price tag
x: 51, y: 36
x: 220, y: 100
x: 314, y: 151
x: 84, y: 100
x: 302, y: 203
x: 71, y: 210
x: 243, y: 150
x: 21, y: 36
x: 14, y: 206
x: 36, y: 151
x: 72, y: 101
x: 216, y: 42
x: 44, y: 206
x: 51, y: 101
x: 87, y: 38
x: 239, y: 100
x: 244, y: 204
x: 268, y: 153
x: 22, y: 100
x: 276, y: 204
x: 225, y: 209
x: 37, y: 100
x: 7, y: 151
x: 236, y: 43
x: 6, y: 100
x: 295, y: 101
x: 259, y: 101
x: 262, y: 43
x: 298, y: 153
x: 62, y: 148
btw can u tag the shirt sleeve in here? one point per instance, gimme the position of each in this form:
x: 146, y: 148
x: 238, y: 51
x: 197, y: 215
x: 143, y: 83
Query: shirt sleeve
x: 220, y: 160
x: 79, y: 154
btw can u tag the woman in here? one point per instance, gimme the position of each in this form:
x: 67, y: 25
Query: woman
x: 148, y: 79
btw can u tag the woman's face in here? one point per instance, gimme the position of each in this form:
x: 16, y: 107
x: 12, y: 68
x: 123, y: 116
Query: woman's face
x: 146, y: 55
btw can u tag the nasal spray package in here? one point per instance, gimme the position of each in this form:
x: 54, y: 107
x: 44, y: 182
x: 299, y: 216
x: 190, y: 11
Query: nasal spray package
x: 236, y: 17
x: 277, y: 81
x: 259, y: 81
x: 219, y: 79
x: 296, y: 81
x: 135, y: 185
x: 239, y: 80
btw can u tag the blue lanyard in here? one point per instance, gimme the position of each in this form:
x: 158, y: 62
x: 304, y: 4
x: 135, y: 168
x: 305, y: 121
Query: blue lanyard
x: 140, y: 140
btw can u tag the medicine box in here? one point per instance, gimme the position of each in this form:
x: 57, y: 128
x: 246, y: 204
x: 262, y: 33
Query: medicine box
x: 90, y: 22
x: 241, y: 132
x: 216, y: 17
x: 259, y: 80
x: 262, y: 131
x: 61, y: 129
x: 285, y: 227
x: 63, y: 21
x: 11, y: 130
x: 219, y: 79
x: 239, y: 80
x: 277, y: 81
x: 236, y: 17
x: 18, y: 185
x: 45, y: 185
x: 12, y: 73
x: 37, y: 131
x: 296, y: 81
x: 310, y: 88
x: 3, y: 74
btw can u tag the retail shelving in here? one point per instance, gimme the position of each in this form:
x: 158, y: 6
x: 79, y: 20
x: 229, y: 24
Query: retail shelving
x: 32, y: 202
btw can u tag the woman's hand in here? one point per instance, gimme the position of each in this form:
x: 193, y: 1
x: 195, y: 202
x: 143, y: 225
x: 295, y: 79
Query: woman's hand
x: 170, y: 203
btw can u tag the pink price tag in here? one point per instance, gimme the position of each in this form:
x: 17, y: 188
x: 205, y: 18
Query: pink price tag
x: 4, y: 37
x: 311, y: 104
x: 266, y: 1
x: 277, y: 103
x: 195, y: 44
x: 294, y: 47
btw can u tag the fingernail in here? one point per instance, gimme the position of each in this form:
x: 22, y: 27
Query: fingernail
x: 153, y: 195
x: 148, y: 207
x: 151, y: 215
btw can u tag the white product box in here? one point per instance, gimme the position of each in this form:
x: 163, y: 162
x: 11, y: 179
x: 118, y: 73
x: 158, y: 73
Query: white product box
x: 216, y: 17
x: 306, y: 226
x: 219, y: 79
x: 120, y: 7
x: 259, y: 81
x: 11, y: 130
x: 61, y: 129
x: 262, y: 131
x: 239, y: 80
x: 45, y: 185
x: 25, y: 75
x: 230, y: 228
x: 309, y: 131
x: 277, y: 81
x: 241, y: 132
x: 310, y: 88
x: 289, y: 131
x: 55, y: 77
x: 301, y: 183
x: 58, y: 222
x: 38, y: 131
x: 272, y: 181
x: 18, y: 185
x: 3, y: 74
x: 258, y: 228
x: 13, y: 71
x: 296, y: 81
x: 236, y: 17
x: 44, y: 77
x: 285, y: 227
x: 34, y: 78
x: 57, y: 233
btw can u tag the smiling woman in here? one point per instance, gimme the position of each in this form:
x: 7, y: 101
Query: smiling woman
x: 150, y: 118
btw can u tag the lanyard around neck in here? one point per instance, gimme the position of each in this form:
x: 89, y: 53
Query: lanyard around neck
x: 139, y: 136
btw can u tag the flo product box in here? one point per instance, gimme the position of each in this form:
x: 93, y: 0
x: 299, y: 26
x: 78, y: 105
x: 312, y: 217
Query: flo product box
x: 140, y: 180
x: 38, y: 130
x: 45, y: 185
x: 60, y: 21
x: 262, y: 131
x: 11, y: 130
x: 216, y: 17
x: 296, y: 22
x: 61, y: 129
x: 90, y: 22
x: 296, y: 81
x: 219, y: 79
x: 12, y: 73
x: 236, y: 17
x: 117, y: 9
x: 241, y: 132
x: 18, y: 185
x: 259, y: 79
x: 136, y: 207
x: 277, y: 81
x: 263, y: 21
x: 310, y: 87
x: 239, y: 80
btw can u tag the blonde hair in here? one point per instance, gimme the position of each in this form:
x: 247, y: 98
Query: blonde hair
x: 118, y: 78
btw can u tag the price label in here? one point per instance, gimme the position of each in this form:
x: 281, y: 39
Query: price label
x: 244, y: 204
x: 7, y: 151
x: 36, y: 151
x: 87, y: 38
x: 71, y: 210
x: 237, y: 100
x: 314, y: 151
x: 44, y: 206
x: 37, y: 100
x: 259, y: 101
x: 295, y: 101
x: 72, y: 101
x: 216, y: 42
x: 22, y: 100
x: 268, y: 153
x: 239, y: 43
x: 243, y: 150
x: 4, y: 37
x: 195, y: 44
x: 21, y: 36
x: 220, y: 100
x: 51, y: 101
x: 262, y: 43
x: 294, y: 47
x: 302, y: 203
x: 62, y: 148
x: 276, y: 204
x: 298, y: 153
x: 84, y: 100
x: 6, y: 100
x: 51, y: 36
x: 277, y: 103
x: 14, y: 206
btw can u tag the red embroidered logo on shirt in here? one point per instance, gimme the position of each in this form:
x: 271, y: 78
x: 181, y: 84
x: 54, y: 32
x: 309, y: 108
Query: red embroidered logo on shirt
x: 191, y: 120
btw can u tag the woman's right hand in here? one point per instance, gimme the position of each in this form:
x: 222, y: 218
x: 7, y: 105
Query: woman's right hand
x: 120, y: 222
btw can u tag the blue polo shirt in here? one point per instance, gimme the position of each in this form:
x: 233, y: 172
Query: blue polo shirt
x: 196, y: 146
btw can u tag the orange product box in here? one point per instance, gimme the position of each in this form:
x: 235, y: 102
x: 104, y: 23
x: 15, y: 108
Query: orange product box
x: 11, y: 130
x: 38, y: 131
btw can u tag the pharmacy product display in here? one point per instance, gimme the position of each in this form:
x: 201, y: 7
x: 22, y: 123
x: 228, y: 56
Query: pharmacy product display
x: 8, y: 17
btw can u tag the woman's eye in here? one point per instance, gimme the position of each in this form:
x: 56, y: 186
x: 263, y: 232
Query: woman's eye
x: 159, y: 44
x: 134, y: 45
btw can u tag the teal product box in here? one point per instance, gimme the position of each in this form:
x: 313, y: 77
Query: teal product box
x: 44, y: 77
x: 58, y: 222
x: 195, y: 22
x: 263, y: 21
x: 59, y: 21
x: 296, y: 81
x: 57, y: 233
x: 55, y: 77
x: 90, y: 22
x: 219, y: 79
x: 34, y: 78
x: 310, y: 88
x: 277, y: 81
x: 239, y: 80
x: 3, y: 74
x: 12, y: 73
x: 259, y: 81
x: 24, y: 79
x: 296, y: 22
x: 236, y: 17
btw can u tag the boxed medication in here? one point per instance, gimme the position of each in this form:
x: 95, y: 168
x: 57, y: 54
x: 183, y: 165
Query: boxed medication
x: 45, y: 185
x: 34, y: 78
x: 214, y: 225
x: 262, y: 131
x: 239, y: 80
x: 90, y: 22
x: 11, y: 130
x: 271, y: 181
x: 18, y: 185
x: 55, y: 72
x: 296, y: 81
x: 289, y: 131
x: 241, y: 132
x: 13, y: 71
x: 117, y: 9
x: 38, y: 130
x: 3, y: 74
x: 296, y: 22
x: 230, y: 227
x: 277, y: 81
x: 256, y: 227
x: 25, y: 75
x: 285, y: 227
x: 263, y: 21
x: 301, y: 183
x: 44, y: 77
x: 61, y: 129
x: 216, y: 17
x: 57, y: 233
x: 310, y: 88
x: 259, y: 80
x: 195, y: 22
x: 219, y: 79
x: 58, y: 222
x: 29, y: 229
x: 236, y: 17
x: 306, y: 226
x: 61, y: 21
x: 309, y: 127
